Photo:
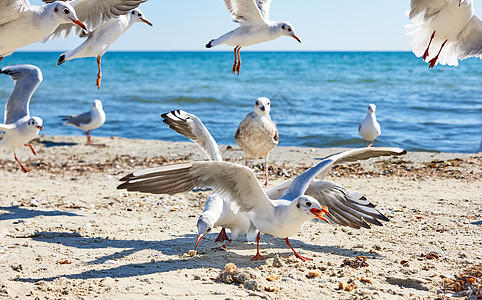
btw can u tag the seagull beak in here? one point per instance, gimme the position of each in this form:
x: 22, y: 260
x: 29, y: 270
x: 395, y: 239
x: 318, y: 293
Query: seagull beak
x: 39, y: 127
x: 298, y: 39
x: 320, y: 212
x: 146, y: 21
x: 263, y: 108
x: 199, y: 238
x: 461, y: 1
x: 78, y: 23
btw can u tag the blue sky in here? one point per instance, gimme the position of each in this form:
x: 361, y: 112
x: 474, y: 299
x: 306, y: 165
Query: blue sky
x: 321, y: 25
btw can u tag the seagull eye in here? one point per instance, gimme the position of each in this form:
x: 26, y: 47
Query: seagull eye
x: 308, y: 204
x: 289, y: 29
x: 133, y: 12
x: 283, y: 27
x: 66, y: 11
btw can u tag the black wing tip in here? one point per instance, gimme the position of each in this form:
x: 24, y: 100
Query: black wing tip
x: 208, y: 45
x: 61, y: 60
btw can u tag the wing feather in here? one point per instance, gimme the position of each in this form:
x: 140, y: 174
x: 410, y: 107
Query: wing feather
x: 11, y: 9
x: 429, y: 8
x: 245, y: 11
x: 469, y: 42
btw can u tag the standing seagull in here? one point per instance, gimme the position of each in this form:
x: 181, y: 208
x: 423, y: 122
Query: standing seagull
x: 282, y: 217
x: 88, y: 121
x: 99, y: 40
x: 444, y: 31
x: 369, y: 128
x: 257, y: 134
x: 19, y: 127
x: 22, y: 24
x: 256, y: 27
x: 217, y: 211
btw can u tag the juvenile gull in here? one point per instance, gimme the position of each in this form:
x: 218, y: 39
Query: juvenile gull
x: 99, y: 40
x: 19, y: 127
x: 369, y: 129
x: 217, y: 211
x: 255, y: 27
x: 282, y: 217
x: 443, y: 31
x: 257, y: 134
x: 88, y: 121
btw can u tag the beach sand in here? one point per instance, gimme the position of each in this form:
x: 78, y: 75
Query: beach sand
x: 66, y: 232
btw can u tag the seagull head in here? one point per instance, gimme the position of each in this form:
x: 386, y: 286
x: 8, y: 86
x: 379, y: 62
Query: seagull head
x: 372, y: 108
x: 66, y: 13
x: 137, y: 16
x: 97, y: 104
x: 262, y: 106
x: 35, y: 122
x: 288, y: 30
x: 204, y: 226
x: 310, y: 208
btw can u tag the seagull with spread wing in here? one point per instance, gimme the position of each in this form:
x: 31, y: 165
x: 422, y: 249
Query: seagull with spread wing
x: 256, y: 27
x: 22, y: 24
x: 19, y: 127
x: 281, y: 217
x: 444, y: 31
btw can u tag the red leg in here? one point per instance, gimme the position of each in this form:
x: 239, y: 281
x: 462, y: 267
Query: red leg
x: 223, y: 247
x: 235, y: 64
x: 99, y: 74
x: 371, y: 144
x: 222, y: 236
x: 1, y: 57
x: 31, y: 148
x: 89, y: 140
x: 239, y: 61
x: 296, y: 254
x: 433, y: 61
x: 425, y: 55
x: 365, y: 143
x: 257, y: 256
x: 24, y: 169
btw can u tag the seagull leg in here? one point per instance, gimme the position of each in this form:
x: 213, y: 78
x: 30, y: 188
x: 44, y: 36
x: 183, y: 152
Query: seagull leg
x: 99, y: 74
x: 222, y: 236
x: 235, y: 60
x: 31, y: 148
x: 296, y: 254
x: 89, y: 140
x: 1, y: 57
x: 246, y: 160
x: 365, y: 142
x: 257, y: 256
x: 239, y: 61
x: 266, y: 169
x: 433, y: 61
x: 425, y: 55
x: 371, y: 144
x: 223, y: 247
x: 24, y: 169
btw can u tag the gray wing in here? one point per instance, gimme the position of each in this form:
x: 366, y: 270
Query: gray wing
x: 78, y: 120
x: 469, y: 42
x: 191, y: 127
x: 263, y: 6
x: 245, y: 11
x: 232, y: 182
x: 429, y: 8
x: 27, y: 78
x: 92, y: 13
x: 11, y: 9
x: 302, y: 182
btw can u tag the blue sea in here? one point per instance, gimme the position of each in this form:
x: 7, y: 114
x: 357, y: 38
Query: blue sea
x: 318, y: 98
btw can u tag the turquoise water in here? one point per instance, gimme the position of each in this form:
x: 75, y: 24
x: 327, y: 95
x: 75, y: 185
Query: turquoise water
x: 318, y: 98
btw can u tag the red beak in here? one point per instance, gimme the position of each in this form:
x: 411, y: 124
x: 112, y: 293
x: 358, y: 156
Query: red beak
x: 319, y: 213
x: 78, y: 23
x: 199, y: 238
x: 296, y: 38
x: 147, y: 22
x: 39, y: 127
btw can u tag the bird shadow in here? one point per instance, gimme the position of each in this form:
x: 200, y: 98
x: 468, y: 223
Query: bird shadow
x: 15, y: 212
x: 49, y: 144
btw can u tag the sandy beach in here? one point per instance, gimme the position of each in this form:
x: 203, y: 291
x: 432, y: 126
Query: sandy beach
x: 66, y: 232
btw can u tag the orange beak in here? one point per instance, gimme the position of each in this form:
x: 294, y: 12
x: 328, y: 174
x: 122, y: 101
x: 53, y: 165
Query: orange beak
x: 146, y: 21
x: 39, y: 127
x: 78, y: 23
x: 199, y: 238
x: 296, y: 38
x: 319, y: 213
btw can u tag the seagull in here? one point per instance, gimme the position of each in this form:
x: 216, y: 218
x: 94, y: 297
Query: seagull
x: 281, y: 217
x: 256, y: 27
x: 443, y: 31
x: 99, y: 40
x: 257, y: 134
x: 22, y: 24
x: 19, y: 127
x: 88, y: 121
x: 369, y: 128
x: 217, y: 211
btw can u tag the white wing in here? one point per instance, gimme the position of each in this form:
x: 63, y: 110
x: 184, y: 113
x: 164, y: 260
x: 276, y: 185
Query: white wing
x: 302, y: 182
x: 26, y: 78
x: 245, y: 11
x: 263, y: 6
x: 429, y: 8
x: 191, y: 127
x: 469, y: 42
x: 230, y: 181
x: 11, y: 9
x: 92, y: 13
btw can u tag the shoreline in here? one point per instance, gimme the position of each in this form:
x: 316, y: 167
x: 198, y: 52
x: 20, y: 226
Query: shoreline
x: 67, y: 232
